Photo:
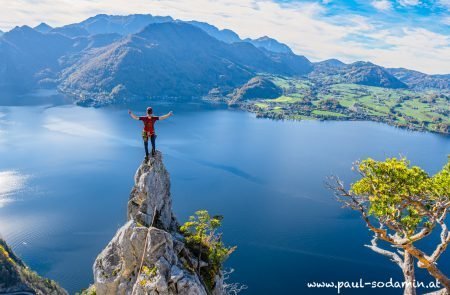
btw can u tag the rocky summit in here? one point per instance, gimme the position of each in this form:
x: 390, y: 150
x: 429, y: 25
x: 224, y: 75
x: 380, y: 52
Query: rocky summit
x: 148, y: 254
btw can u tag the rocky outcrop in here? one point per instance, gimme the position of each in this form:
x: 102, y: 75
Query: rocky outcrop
x: 148, y: 254
x: 17, y: 278
x: 150, y: 202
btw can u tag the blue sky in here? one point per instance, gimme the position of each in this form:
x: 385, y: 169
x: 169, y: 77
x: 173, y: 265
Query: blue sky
x: 395, y: 33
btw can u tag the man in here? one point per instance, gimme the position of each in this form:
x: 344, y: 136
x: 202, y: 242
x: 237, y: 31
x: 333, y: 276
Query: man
x: 149, y: 128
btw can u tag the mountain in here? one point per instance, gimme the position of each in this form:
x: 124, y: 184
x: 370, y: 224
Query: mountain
x: 1, y: 33
x: 17, y: 278
x: 97, y: 64
x: 43, y: 28
x: 111, y: 59
x: 107, y: 24
x: 29, y: 56
x: 71, y: 31
x: 32, y: 59
x: 149, y: 254
x: 225, y: 35
x: 132, y: 24
x: 363, y: 73
x: 418, y: 80
x: 270, y: 45
x: 171, y: 59
x: 95, y: 41
x: 266, y: 61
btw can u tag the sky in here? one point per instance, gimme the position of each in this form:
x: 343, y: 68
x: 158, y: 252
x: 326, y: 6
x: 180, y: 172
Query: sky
x: 413, y: 34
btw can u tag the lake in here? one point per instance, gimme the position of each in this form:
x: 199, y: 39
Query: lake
x: 66, y: 173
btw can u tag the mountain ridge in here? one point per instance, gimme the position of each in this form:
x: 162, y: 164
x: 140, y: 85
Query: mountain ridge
x: 43, y: 28
x: 363, y: 73
x: 70, y: 55
x: 270, y: 44
x: 419, y: 80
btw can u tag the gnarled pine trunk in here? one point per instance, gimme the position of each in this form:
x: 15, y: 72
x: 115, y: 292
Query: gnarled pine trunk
x: 429, y: 266
x: 408, y: 274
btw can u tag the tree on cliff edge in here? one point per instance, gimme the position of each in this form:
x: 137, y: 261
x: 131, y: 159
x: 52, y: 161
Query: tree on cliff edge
x: 402, y: 205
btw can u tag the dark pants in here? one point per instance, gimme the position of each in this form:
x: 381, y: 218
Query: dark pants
x: 145, y: 137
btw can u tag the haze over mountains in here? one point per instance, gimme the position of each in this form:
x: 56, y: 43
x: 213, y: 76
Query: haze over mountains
x: 108, y: 59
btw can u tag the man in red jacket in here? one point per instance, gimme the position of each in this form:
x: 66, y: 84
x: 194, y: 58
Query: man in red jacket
x: 149, y: 128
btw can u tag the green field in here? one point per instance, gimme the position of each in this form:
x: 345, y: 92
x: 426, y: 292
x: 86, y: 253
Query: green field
x: 327, y: 114
x: 304, y: 99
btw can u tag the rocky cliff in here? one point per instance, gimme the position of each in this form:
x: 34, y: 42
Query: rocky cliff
x: 17, y: 278
x: 148, y: 254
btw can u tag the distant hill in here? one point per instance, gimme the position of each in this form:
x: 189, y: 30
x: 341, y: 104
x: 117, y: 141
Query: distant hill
x: 364, y: 73
x: 28, y: 56
x: 418, y: 80
x: 31, y: 59
x: 367, y: 73
x: 43, y: 28
x: 256, y: 88
x: 370, y: 74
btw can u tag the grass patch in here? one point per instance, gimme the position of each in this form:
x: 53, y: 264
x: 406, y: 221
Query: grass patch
x: 302, y: 98
x: 327, y: 114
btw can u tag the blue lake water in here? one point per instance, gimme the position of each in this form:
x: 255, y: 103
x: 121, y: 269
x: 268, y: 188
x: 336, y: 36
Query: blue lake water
x: 66, y: 173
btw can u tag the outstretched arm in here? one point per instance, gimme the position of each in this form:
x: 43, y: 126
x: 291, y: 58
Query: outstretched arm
x: 133, y: 115
x: 166, y: 116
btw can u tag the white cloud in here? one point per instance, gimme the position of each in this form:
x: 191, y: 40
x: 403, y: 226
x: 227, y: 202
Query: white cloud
x: 445, y: 3
x: 382, y: 5
x: 303, y: 26
x: 446, y: 20
x: 409, y: 2
x: 414, y: 48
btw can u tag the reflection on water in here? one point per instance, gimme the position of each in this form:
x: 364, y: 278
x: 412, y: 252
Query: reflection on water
x: 92, y: 131
x: 11, y: 183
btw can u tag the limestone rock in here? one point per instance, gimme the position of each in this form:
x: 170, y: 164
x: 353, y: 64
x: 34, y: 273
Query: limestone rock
x: 148, y: 255
x: 150, y: 200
